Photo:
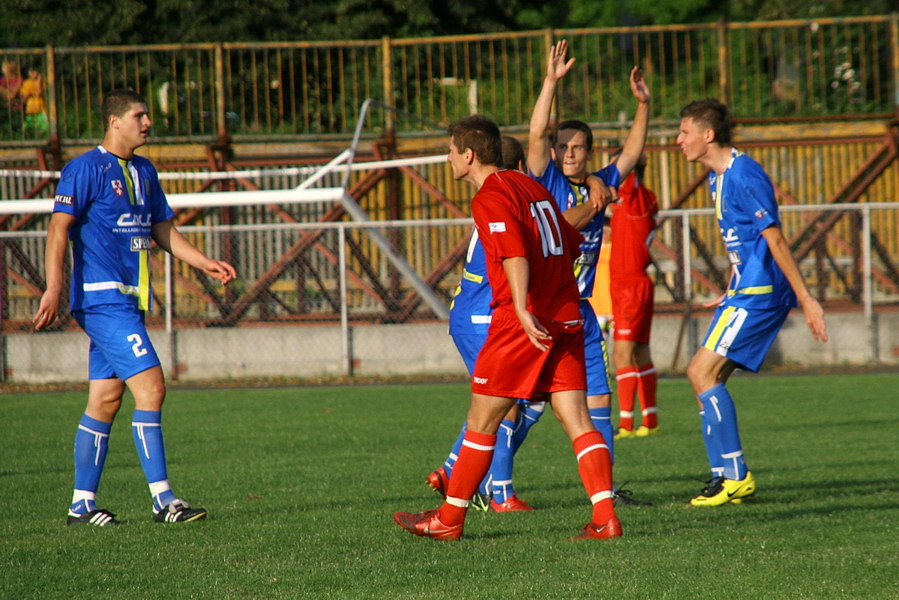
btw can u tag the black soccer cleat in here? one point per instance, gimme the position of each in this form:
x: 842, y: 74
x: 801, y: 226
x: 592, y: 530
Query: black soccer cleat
x: 97, y: 517
x: 179, y: 511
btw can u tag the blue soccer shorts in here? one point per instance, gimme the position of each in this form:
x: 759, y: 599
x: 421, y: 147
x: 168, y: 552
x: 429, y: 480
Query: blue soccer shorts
x: 469, y: 346
x: 594, y: 352
x: 120, y: 346
x: 744, y: 335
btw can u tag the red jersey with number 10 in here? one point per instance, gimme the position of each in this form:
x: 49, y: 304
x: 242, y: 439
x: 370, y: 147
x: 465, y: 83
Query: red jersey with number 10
x: 517, y: 217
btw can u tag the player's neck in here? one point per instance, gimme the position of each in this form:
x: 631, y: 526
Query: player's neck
x: 117, y: 147
x: 479, y: 173
x: 717, y: 158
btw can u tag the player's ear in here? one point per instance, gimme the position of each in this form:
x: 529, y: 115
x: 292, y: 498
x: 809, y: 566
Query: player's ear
x: 469, y: 155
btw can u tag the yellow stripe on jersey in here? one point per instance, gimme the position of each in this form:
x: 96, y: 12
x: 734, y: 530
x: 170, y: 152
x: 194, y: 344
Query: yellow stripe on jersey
x: 143, y: 280
x: 718, y: 330
x: 472, y: 276
x: 752, y: 291
x: 129, y: 183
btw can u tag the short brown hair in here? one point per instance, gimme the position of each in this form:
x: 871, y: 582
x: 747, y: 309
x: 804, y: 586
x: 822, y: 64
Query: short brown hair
x: 482, y: 135
x: 117, y: 102
x: 513, y: 153
x: 712, y: 113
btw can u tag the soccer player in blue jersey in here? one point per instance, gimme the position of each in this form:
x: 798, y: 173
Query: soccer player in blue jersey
x: 765, y: 284
x: 561, y: 164
x: 111, y: 207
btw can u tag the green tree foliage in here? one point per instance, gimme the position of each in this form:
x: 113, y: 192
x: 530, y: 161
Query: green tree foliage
x: 36, y: 23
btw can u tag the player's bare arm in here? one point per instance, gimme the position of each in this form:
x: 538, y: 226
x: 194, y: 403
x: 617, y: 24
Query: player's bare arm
x: 538, y: 136
x: 636, y: 137
x: 518, y: 274
x: 54, y: 261
x: 171, y: 240
x: 780, y: 250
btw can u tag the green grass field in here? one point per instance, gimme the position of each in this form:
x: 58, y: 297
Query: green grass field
x: 302, y: 483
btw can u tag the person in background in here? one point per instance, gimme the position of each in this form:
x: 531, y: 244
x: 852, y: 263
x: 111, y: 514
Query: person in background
x: 633, y: 225
x: 10, y: 88
x: 32, y: 92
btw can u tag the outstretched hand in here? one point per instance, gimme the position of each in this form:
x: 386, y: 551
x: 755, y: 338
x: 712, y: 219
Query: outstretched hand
x: 558, y: 66
x: 638, y: 85
x: 221, y: 271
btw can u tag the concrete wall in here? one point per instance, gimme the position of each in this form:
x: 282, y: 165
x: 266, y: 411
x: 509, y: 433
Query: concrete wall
x: 414, y: 349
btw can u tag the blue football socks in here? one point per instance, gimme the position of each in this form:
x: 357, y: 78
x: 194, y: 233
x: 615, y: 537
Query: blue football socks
x: 602, y: 421
x: 146, y: 429
x: 91, y: 445
x: 721, y: 422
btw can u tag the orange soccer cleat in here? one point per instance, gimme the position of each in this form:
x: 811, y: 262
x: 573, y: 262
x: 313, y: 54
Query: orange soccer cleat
x: 513, y: 504
x: 427, y: 524
x: 438, y: 481
x: 611, y: 529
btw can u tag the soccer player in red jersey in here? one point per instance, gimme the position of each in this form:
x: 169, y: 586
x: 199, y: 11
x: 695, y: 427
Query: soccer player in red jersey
x: 633, y: 224
x: 535, y: 344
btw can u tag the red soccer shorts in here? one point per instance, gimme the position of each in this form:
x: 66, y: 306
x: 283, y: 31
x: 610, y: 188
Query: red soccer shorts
x: 510, y: 366
x: 632, y: 305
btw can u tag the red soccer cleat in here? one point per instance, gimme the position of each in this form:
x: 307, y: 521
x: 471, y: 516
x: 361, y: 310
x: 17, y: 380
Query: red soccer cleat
x: 427, y: 524
x: 611, y: 529
x: 438, y: 481
x: 513, y: 504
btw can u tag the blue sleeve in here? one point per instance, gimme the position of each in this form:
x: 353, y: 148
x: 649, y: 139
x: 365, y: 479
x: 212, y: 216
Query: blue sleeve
x: 74, y: 190
x: 610, y: 175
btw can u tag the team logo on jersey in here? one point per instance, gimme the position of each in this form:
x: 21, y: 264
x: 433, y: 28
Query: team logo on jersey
x: 498, y: 227
x: 140, y: 243
x: 118, y: 187
x: 63, y: 199
x: 760, y: 213
x: 132, y: 220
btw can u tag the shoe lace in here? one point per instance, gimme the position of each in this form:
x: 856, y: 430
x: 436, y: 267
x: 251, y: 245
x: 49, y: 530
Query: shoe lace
x: 625, y: 496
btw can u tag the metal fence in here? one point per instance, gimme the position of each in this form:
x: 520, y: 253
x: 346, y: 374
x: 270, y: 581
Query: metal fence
x: 843, y: 67
x: 322, y: 294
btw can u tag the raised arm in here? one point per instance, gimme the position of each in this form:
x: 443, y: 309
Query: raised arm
x: 636, y: 137
x: 780, y: 250
x: 539, y: 144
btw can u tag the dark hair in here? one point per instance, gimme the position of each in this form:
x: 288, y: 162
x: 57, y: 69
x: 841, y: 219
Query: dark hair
x: 117, y: 103
x: 713, y: 114
x: 513, y: 153
x: 482, y: 135
x: 579, y: 126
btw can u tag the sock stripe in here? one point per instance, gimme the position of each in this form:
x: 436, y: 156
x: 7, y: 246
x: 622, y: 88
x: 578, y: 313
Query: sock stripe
x: 93, y: 432
x: 590, y: 449
x: 481, y: 447
x: 626, y: 414
x: 458, y: 502
x: 650, y: 411
x: 648, y: 371
x: 600, y: 496
x: 628, y: 375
